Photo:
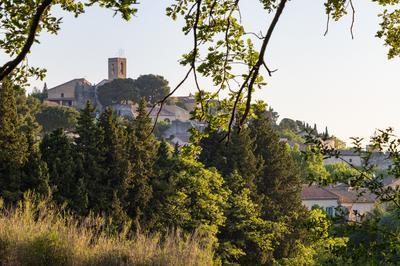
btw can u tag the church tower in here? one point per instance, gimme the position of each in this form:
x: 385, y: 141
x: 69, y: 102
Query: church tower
x: 116, y: 68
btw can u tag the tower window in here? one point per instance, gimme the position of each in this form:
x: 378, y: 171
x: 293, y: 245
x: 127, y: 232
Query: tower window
x: 112, y: 69
x: 122, y: 68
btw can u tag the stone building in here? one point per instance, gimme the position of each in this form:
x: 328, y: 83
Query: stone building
x: 77, y: 92
x: 74, y: 93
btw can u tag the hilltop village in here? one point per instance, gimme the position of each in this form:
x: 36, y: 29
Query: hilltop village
x: 175, y: 115
x: 174, y: 121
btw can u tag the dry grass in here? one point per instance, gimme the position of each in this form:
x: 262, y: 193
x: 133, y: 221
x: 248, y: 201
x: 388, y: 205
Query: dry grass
x: 37, y: 233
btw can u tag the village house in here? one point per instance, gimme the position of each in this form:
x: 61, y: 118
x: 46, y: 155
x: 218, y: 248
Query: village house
x: 332, y: 199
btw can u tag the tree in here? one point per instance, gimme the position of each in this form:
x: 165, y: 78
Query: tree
x: 40, y: 95
x: 153, y: 88
x: 245, y: 238
x: 311, y: 166
x: 197, y: 201
x: 162, y: 186
x: 118, y: 170
x: 341, y: 172
x: 237, y: 156
x: 288, y: 124
x: 23, y: 21
x: 67, y: 186
x: 90, y: 159
x: 279, y: 180
x: 117, y: 91
x: 35, y: 172
x: 142, y: 151
x: 55, y: 117
x: 279, y: 184
x: 13, y: 145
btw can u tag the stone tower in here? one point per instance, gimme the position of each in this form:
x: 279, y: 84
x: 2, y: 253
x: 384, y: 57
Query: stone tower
x: 116, y: 68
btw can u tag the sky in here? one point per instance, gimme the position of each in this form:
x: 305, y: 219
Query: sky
x: 347, y: 85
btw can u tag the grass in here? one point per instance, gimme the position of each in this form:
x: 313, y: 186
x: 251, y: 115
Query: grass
x: 38, y: 233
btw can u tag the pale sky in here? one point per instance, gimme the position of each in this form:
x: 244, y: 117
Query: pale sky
x: 348, y: 85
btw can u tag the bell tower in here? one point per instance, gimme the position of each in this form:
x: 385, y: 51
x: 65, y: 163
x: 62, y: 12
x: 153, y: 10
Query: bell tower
x: 116, y: 68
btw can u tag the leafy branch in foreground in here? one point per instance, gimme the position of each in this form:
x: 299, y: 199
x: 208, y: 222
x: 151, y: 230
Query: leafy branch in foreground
x: 22, y: 21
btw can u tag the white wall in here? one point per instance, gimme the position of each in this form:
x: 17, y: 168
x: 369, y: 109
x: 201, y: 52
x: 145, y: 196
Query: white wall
x: 321, y: 203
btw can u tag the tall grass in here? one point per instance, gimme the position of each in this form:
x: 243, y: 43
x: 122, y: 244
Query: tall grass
x: 38, y: 233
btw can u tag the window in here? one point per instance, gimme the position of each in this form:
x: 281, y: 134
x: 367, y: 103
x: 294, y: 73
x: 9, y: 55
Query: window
x: 122, y: 68
x: 70, y: 103
x: 330, y: 211
x: 62, y: 95
x: 112, y: 69
x: 350, y: 160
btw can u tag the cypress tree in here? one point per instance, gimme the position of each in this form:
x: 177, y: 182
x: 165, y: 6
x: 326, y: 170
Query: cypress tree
x: 246, y: 238
x: 90, y: 160
x: 118, y: 169
x: 161, y: 184
x: 280, y: 180
x: 36, y: 176
x: 279, y: 183
x: 142, y: 151
x: 13, y: 145
x: 237, y: 156
x: 66, y: 184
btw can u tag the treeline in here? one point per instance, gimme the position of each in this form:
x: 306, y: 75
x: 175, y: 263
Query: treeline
x: 245, y: 200
x: 241, y: 199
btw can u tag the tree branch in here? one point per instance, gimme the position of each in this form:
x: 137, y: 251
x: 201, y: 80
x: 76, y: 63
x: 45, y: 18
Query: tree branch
x: 8, y: 67
x: 260, y: 61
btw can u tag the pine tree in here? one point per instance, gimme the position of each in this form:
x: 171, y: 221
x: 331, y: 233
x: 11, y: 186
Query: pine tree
x: 162, y: 186
x: 246, y: 238
x: 237, y: 156
x: 142, y: 151
x: 66, y: 184
x: 90, y: 160
x: 280, y: 180
x: 13, y: 145
x: 35, y: 171
x: 118, y: 175
x: 279, y: 183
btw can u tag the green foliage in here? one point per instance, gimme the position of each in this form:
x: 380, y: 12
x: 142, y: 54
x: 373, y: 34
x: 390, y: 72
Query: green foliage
x: 19, y: 30
x: 116, y: 91
x: 142, y: 147
x: 312, y: 166
x: 90, y: 159
x: 279, y: 180
x: 198, y: 199
x: 341, y: 172
x: 288, y: 124
x: 118, y: 170
x: 13, y: 145
x: 35, y: 172
x: 152, y: 88
x: 51, y: 118
x: 60, y: 156
x: 40, y: 95
x: 245, y: 238
x: 289, y: 134
x: 237, y: 156
x: 160, y: 128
